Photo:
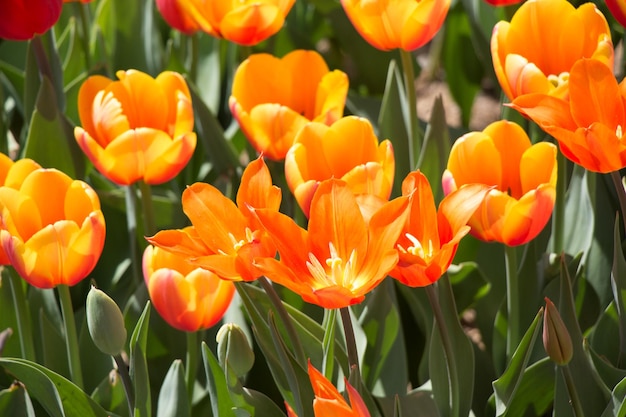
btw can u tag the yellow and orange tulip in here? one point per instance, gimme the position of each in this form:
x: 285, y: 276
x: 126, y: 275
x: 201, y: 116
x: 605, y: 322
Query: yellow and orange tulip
x: 246, y: 22
x: 589, y: 126
x: 225, y: 238
x: 329, y: 402
x: 523, y: 177
x: 564, y: 33
x: 188, y: 298
x: 137, y: 128
x: 273, y: 98
x: 431, y: 237
x: 391, y: 24
x: 343, y: 255
x: 52, y: 228
x: 348, y: 150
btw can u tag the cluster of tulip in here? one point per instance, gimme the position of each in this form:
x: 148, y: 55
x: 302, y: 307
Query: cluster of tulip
x: 498, y: 185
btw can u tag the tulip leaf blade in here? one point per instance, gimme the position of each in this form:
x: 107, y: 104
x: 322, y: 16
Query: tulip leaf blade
x: 618, y: 283
x: 617, y: 405
x: 504, y: 387
x: 139, y: 365
x: 221, y: 403
x: 110, y: 394
x: 14, y: 401
x: 173, y: 400
x: 56, y: 394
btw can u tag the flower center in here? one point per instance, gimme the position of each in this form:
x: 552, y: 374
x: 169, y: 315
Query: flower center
x: 237, y: 244
x: 336, y: 271
x: 417, y: 248
x: 558, y: 80
x: 618, y: 132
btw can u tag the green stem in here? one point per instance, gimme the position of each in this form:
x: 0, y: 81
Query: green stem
x: 193, y: 57
x: 286, y: 319
x: 348, y: 330
x: 328, y: 344
x: 415, y: 137
x: 558, y: 217
x: 571, y: 390
x: 512, y: 301
x: 191, y: 365
x: 447, y: 348
x: 621, y: 194
x: 22, y: 315
x: 122, y: 369
x: 71, y: 337
x: 148, y: 209
x: 43, y: 63
x: 84, y: 26
x: 131, y: 225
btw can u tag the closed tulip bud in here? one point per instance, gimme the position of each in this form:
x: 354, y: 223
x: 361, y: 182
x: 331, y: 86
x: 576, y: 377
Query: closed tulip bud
x: 105, y: 322
x: 233, y: 349
x: 556, y: 338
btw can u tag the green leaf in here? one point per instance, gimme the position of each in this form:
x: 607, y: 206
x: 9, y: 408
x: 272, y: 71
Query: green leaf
x: 139, y: 365
x: 15, y: 402
x: 452, y: 376
x: 504, y: 387
x: 617, y: 406
x: 469, y: 284
x: 415, y: 403
x: 221, y: 403
x: 618, y: 278
x: 535, y: 392
x: 59, y: 396
x: 110, y: 394
x: 173, y: 399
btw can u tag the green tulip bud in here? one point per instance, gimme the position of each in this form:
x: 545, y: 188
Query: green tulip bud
x: 556, y: 338
x: 234, y: 350
x: 105, y: 322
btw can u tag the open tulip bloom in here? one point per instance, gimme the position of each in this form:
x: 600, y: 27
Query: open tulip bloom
x: 137, y: 128
x: 273, y: 98
x: 342, y: 256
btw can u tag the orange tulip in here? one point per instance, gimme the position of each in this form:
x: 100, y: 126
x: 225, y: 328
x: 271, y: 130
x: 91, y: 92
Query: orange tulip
x: 391, y: 24
x: 137, y: 128
x: 524, y: 177
x: 329, y: 402
x: 618, y: 10
x: 52, y: 228
x: 589, y: 125
x: 188, y: 298
x: 343, y: 255
x: 348, y: 150
x: 564, y: 33
x: 174, y: 14
x: 225, y: 237
x: 23, y: 19
x: 246, y: 22
x: 431, y: 237
x: 272, y: 98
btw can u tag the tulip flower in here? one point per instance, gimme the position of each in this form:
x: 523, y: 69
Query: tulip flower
x: 523, y: 177
x: 618, y: 10
x: 137, y: 128
x: 12, y: 175
x: 329, y: 402
x: 246, y: 22
x: 342, y: 256
x: 391, y: 24
x: 174, y: 14
x: 589, y: 125
x: 22, y: 19
x: 225, y: 238
x: 52, y: 228
x: 188, y: 298
x: 431, y: 237
x: 565, y: 34
x: 273, y: 98
x: 499, y: 3
x: 348, y: 150
x: 556, y: 338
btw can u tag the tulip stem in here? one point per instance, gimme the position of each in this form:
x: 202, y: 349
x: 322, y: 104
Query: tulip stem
x: 571, y: 390
x: 348, y: 330
x: 621, y: 194
x: 149, y: 221
x: 191, y: 365
x: 558, y: 219
x: 43, y: 63
x: 122, y: 369
x: 433, y: 299
x: 193, y: 57
x: 131, y: 224
x: 411, y: 96
x: 22, y: 315
x: 71, y: 338
x: 286, y: 319
x: 512, y: 300
x: 84, y: 26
